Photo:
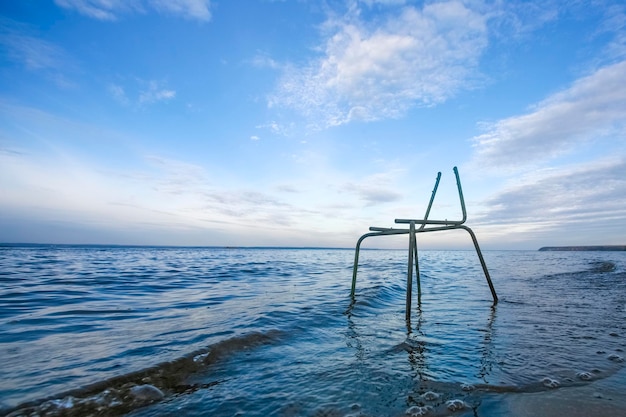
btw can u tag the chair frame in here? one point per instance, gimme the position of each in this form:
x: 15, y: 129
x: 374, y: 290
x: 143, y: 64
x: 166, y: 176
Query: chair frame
x: 425, y: 225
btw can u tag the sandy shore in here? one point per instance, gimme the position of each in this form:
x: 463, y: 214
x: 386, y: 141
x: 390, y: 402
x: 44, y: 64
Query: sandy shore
x: 601, y: 398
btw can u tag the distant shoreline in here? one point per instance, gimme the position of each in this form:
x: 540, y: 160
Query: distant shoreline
x: 584, y: 248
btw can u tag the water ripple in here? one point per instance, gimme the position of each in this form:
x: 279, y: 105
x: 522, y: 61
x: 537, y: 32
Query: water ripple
x: 271, y: 332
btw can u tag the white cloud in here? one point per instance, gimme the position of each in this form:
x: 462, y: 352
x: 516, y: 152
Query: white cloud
x: 162, y: 194
x: 275, y: 127
x: 383, y: 2
x: 593, y: 107
x: 33, y: 53
x: 155, y: 93
x: 615, y: 26
x: 416, y: 57
x: 193, y: 9
x: 112, y: 9
x: 119, y: 94
x: 566, y: 203
x: 23, y: 47
x: 376, y: 188
x: 263, y: 60
x: 100, y: 9
x: 148, y: 92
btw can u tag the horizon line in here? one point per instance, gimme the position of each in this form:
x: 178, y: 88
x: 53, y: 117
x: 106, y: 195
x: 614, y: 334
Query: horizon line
x: 117, y: 245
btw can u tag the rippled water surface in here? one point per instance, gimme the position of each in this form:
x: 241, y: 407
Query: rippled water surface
x: 274, y: 332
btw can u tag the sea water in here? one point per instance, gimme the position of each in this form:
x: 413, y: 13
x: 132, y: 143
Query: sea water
x: 147, y: 331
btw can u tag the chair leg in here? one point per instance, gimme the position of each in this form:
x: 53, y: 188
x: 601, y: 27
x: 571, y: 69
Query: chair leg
x: 356, y: 263
x: 417, y: 275
x: 409, y: 275
x: 482, y: 263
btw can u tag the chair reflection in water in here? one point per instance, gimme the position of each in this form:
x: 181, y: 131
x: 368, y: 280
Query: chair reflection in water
x: 422, y: 226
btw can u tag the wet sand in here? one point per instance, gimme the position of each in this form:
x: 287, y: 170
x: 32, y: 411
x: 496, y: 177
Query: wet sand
x: 601, y: 398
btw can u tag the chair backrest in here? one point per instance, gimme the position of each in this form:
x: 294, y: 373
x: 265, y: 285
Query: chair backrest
x: 423, y: 222
x: 432, y: 198
x: 461, y: 199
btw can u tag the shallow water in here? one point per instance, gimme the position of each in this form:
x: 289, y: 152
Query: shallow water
x: 274, y: 332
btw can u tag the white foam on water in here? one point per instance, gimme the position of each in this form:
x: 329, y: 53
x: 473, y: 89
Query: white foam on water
x: 417, y: 410
x: 550, y: 383
x: 146, y: 393
x: 65, y: 403
x: 455, y: 405
x: 430, y: 396
x: 200, y: 358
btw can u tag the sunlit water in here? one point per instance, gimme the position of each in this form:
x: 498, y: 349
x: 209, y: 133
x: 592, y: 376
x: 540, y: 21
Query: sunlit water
x: 273, y: 332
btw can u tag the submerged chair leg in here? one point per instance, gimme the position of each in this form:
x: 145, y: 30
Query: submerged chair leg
x: 356, y: 262
x: 409, y: 275
x: 417, y: 275
x: 482, y: 263
x: 377, y: 231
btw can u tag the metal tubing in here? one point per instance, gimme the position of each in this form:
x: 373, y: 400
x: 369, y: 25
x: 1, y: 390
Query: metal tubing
x: 409, y: 275
x: 356, y: 261
x: 440, y: 222
x: 425, y: 220
x: 478, y: 252
x: 358, y: 250
x: 413, y: 254
x: 482, y: 263
x: 432, y: 198
x: 417, y: 276
x: 458, y: 185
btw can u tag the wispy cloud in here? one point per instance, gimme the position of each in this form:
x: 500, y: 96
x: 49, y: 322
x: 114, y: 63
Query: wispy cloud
x: 55, y: 182
x: 113, y: 9
x: 263, y: 60
x: 593, y: 107
x: 198, y: 198
x: 118, y: 93
x: 154, y: 93
x: 192, y: 9
x: 172, y: 195
x: 144, y: 93
x: 615, y: 26
x: 23, y: 47
x: 570, y: 199
x: 98, y: 9
x: 376, y: 188
x: 275, y: 127
x: 416, y: 57
x: 383, y: 2
x: 33, y: 53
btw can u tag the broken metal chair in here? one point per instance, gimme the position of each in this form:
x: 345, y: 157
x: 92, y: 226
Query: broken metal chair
x: 425, y: 225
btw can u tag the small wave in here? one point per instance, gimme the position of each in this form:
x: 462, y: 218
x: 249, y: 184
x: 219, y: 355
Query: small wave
x: 593, y: 267
x: 602, y: 266
x: 121, y: 394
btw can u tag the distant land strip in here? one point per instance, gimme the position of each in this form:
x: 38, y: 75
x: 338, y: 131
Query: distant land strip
x: 583, y: 248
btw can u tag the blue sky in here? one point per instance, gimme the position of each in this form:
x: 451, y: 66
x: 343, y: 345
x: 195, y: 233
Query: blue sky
x: 302, y: 123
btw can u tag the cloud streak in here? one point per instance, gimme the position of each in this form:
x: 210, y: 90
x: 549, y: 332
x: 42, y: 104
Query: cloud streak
x: 592, y: 108
x: 376, y: 188
x: 149, y: 92
x: 164, y: 194
x: 23, y: 48
x: 417, y: 57
x: 113, y: 9
x: 574, y: 200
